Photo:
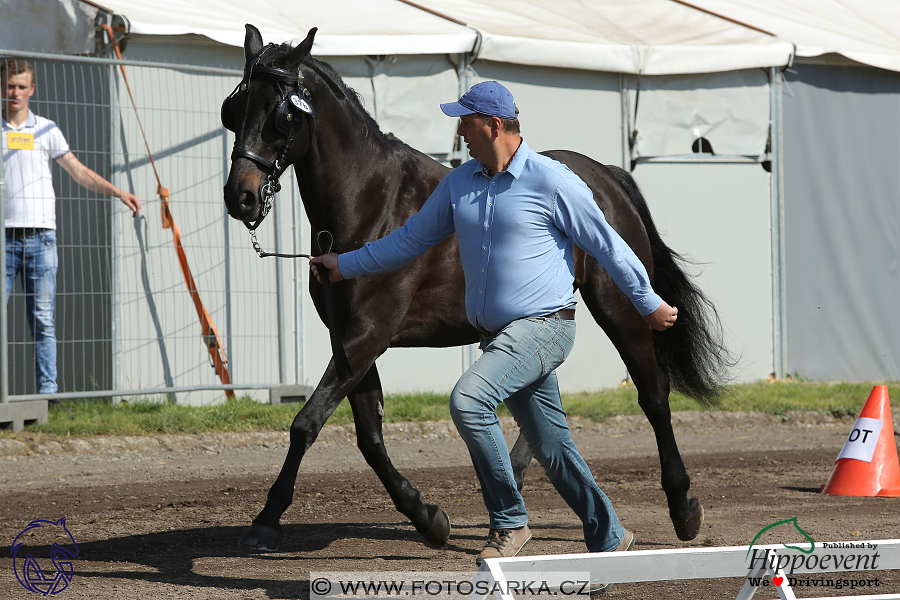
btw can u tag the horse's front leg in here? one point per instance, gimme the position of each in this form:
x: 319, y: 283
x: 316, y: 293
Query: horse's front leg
x: 265, y: 532
x: 367, y: 402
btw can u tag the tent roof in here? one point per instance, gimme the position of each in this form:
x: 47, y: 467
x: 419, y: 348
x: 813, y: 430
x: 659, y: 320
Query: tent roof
x: 652, y: 37
x: 346, y: 27
x: 867, y: 32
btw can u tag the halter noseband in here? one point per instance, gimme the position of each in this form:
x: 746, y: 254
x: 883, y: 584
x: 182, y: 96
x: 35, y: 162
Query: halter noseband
x: 294, y: 96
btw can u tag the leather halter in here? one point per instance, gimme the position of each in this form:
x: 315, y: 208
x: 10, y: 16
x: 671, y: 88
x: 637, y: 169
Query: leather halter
x: 294, y: 96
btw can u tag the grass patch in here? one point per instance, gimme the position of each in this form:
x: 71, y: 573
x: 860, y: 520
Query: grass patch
x: 243, y: 414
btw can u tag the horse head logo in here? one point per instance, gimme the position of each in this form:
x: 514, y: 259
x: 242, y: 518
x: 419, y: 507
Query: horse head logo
x: 785, y: 522
x: 51, y: 570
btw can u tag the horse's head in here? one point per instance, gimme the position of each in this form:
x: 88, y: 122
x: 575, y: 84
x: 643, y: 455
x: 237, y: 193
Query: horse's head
x: 271, y: 115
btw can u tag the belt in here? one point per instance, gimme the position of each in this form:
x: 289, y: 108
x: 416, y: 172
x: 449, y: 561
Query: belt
x: 22, y: 232
x: 566, y: 314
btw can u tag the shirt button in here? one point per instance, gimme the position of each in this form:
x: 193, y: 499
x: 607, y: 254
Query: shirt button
x: 482, y: 270
x: 484, y: 247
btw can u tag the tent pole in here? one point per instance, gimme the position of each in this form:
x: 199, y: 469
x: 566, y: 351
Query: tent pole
x: 779, y: 282
x: 626, y: 124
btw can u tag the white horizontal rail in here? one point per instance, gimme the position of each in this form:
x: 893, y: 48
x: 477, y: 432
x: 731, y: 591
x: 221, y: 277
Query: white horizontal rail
x: 696, y: 563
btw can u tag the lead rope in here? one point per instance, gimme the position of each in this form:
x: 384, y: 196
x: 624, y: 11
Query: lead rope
x: 210, y: 335
x: 324, y: 240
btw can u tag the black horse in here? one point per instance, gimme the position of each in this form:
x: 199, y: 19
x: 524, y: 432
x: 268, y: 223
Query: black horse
x: 361, y: 184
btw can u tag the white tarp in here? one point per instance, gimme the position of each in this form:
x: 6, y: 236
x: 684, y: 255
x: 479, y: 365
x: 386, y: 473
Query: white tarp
x: 346, y: 27
x: 54, y: 26
x: 651, y: 37
x: 402, y: 93
x: 867, y: 31
x: 730, y: 110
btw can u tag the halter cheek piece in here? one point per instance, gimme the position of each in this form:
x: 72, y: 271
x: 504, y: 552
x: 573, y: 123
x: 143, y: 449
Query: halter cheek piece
x: 294, y: 101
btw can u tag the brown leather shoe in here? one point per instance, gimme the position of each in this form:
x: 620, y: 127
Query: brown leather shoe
x: 627, y: 544
x: 503, y: 543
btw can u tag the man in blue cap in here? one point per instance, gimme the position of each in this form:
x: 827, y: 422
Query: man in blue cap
x: 517, y: 215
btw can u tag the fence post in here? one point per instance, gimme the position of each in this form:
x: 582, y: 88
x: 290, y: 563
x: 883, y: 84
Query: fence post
x: 4, y: 350
x: 279, y: 297
x: 115, y: 233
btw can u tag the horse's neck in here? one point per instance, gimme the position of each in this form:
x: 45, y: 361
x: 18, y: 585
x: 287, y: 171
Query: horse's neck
x: 347, y: 154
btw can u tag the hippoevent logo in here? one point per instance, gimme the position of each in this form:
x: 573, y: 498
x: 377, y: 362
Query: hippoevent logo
x: 837, y: 557
x: 42, y: 556
x: 793, y: 521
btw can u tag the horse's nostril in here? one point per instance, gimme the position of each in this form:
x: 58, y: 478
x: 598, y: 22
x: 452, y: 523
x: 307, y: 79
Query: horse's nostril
x: 248, y: 202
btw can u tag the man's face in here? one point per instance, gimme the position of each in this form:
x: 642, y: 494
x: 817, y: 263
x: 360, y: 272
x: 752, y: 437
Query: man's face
x: 477, y: 135
x: 16, y: 92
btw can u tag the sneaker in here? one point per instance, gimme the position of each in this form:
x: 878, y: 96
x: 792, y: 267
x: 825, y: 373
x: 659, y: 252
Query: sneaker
x: 627, y: 544
x: 504, y: 543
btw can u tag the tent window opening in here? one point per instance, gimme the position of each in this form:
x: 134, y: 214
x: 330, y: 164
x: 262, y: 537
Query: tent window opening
x: 702, y: 146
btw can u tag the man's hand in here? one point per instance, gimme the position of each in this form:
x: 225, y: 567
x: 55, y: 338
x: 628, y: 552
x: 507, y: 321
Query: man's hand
x: 132, y: 202
x: 330, y: 262
x: 662, y: 318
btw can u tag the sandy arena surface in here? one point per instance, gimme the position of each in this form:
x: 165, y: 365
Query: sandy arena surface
x: 160, y: 517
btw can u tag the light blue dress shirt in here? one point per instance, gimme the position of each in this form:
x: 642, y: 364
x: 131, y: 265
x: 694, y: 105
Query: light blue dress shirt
x: 516, y: 234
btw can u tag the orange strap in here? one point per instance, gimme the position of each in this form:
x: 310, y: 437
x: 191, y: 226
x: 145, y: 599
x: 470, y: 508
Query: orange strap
x: 210, y: 335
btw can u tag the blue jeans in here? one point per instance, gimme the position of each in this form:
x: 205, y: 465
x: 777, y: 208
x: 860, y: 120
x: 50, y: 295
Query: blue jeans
x: 34, y: 255
x: 518, y: 368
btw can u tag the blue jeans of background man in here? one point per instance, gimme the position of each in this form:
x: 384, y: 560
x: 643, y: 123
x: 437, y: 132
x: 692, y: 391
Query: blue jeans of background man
x: 34, y: 255
x: 517, y: 368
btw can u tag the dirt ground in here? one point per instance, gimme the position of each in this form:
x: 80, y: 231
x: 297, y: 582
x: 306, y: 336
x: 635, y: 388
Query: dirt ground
x: 160, y: 517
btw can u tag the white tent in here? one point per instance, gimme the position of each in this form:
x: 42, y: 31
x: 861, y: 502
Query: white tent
x: 346, y: 28
x: 867, y: 32
x: 708, y: 75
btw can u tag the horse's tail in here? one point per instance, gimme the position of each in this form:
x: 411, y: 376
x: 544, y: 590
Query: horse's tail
x: 693, y: 352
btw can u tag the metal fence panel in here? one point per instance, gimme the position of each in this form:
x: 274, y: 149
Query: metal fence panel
x: 125, y: 319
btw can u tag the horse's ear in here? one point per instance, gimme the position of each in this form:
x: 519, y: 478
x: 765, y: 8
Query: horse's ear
x: 302, y: 50
x: 252, y: 42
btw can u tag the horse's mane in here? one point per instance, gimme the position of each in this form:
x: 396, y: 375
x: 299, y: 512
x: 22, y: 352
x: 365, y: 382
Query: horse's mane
x: 326, y: 71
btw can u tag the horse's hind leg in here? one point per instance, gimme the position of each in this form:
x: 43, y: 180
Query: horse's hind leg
x: 520, y: 457
x: 653, y: 397
x: 367, y: 403
x: 634, y: 341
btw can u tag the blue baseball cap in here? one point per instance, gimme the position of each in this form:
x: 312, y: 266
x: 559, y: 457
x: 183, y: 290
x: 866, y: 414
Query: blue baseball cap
x: 488, y: 98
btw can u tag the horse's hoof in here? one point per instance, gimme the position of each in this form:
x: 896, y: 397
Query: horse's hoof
x: 262, y: 538
x: 686, y: 529
x: 438, y: 533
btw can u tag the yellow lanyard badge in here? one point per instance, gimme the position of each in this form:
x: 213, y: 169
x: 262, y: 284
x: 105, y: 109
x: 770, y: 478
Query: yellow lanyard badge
x: 19, y: 141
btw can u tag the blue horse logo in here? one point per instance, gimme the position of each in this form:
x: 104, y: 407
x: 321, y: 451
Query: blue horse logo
x: 29, y: 571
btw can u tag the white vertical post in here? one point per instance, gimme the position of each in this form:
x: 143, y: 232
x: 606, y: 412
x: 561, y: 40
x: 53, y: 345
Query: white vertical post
x: 115, y: 236
x: 279, y: 297
x: 626, y: 124
x: 226, y: 221
x: 469, y: 352
x: 297, y: 280
x: 779, y: 281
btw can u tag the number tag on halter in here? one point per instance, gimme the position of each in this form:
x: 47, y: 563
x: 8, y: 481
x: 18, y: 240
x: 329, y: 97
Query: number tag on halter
x: 301, y: 103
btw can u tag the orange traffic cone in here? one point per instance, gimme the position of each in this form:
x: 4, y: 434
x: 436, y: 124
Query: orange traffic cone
x: 867, y: 464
